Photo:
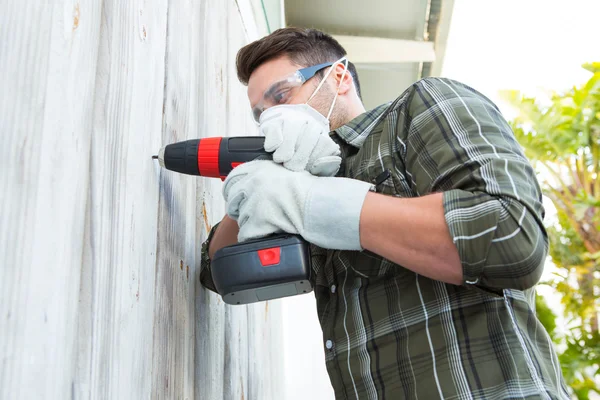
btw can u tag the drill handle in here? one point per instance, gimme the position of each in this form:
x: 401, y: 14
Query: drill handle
x: 240, y: 149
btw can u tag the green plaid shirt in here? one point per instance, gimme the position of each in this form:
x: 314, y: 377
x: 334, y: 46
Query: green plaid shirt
x: 390, y: 333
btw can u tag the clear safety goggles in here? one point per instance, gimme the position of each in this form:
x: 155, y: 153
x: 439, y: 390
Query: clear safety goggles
x: 281, y: 91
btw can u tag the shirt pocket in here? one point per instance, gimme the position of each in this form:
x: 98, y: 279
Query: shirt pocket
x: 389, y: 177
x: 384, y: 169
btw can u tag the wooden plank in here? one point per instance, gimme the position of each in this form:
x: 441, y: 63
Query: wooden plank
x: 233, y: 343
x: 238, y: 336
x: 214, y: 374
x: 253, y: 19
x: 100, y: 297
x: 123, y: 205
x: 210, y: 102
x: 174, y: 315
x: 47, y: 75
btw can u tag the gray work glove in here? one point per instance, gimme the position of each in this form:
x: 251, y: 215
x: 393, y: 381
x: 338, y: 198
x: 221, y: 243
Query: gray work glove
x: 298, y: 136
x: 265, y: 198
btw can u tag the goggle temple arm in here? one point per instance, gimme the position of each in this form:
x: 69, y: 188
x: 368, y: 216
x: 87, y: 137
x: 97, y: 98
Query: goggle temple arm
x: 309, y: 72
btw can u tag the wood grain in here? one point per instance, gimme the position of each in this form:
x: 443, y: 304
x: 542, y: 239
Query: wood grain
x: 48, y: 53
x: 228, y: 367
x: 100, y: 248
x: 123, y: 207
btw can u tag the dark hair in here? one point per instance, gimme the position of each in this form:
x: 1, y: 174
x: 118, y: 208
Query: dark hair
x: 305, y: 47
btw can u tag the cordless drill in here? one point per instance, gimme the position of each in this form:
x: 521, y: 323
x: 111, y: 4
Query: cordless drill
x: 255, y: 270
x: 212, y: 157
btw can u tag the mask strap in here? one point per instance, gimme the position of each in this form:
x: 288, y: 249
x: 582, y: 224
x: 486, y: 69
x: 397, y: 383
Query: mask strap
x: 338, y: 88
x: 327, y: 76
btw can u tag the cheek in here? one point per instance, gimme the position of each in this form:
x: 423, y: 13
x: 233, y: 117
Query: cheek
x: 303, y: 93
x: 322, y: 100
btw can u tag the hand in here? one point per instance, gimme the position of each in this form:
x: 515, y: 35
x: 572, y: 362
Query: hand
x: 266, y: 198
x: 298, y: 136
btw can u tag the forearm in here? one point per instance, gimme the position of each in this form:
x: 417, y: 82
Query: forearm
x: 225, y: 235
x: 411, y: 232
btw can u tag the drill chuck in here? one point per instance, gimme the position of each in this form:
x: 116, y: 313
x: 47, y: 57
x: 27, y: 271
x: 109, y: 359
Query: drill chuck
x: 161, y: 157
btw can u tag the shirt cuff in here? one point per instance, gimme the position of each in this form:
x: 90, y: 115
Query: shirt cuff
x: 206, y: 279
x: 472, y: 219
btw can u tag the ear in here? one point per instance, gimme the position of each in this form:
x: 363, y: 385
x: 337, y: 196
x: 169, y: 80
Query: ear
x: 345, y: 85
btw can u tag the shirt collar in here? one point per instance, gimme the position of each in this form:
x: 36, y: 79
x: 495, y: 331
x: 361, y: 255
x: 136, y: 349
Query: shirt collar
x: 356, y: 131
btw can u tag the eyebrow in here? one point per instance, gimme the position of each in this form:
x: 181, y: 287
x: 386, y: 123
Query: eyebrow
x: 274, y: 87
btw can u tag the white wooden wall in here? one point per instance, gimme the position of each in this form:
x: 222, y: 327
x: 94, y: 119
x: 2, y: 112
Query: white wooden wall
x: 99, y: 248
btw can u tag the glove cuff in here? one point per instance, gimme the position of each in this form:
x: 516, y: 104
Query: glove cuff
x: 332, y: 213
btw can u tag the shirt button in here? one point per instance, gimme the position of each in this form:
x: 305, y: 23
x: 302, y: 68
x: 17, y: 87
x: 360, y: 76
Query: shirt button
x: 332, y: 288
x: 329, y: 344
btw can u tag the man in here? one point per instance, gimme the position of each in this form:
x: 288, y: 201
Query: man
x: 427, y: 242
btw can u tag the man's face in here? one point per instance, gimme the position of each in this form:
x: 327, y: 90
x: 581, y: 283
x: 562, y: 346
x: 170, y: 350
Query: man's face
x: 267, y: 75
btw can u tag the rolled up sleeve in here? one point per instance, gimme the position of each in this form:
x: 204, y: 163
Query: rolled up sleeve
x: 458, y: 143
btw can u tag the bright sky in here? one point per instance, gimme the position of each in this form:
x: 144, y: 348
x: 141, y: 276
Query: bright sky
x: 522, y: 44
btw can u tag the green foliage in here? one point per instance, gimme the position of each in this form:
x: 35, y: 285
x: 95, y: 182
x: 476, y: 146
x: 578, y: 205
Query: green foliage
x: 579, y: 362
x: 546, y: 316
x: 562, y: 139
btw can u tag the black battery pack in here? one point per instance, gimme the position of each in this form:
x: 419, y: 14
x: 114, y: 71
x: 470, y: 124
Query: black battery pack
x: 262, y: 269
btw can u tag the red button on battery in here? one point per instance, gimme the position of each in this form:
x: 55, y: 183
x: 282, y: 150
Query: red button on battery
x: 270, y: 256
